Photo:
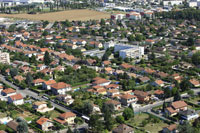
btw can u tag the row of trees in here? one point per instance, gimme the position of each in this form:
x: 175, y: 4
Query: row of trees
x: 182, y: 14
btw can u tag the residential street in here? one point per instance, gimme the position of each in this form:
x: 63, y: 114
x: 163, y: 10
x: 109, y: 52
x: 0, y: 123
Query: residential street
x: 27, y: 92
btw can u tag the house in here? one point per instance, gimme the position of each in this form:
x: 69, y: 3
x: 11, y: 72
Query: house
x: 144, y: 79
x: 101, y: 82
x: 169, y: 111
x: 98, y: 90
x: 38, y: 82
x: 41, y: 106
x: 179, y: 105
x: 106, y: 63
x: 16, y: 99
x: 65, y: 98
x: 128, y: 99
x: 13, y: 125
x: 8, y: 92
x: 41, y: 67
x: 47, y: 84
x: 175, y: 108
x: 159, y: 93
x: 176, y: 77
x: 60, y: 88
x: 189, y: 115
x: 67, y: 117
x: 19, y: 78
x: 122, y: 128
x: 142, y: 96
x: 194, y: 82
x: 116, y: 104
x: 44, y: 124
x: 113, y: 92
x: 108, y: 70
x: 112, y: 86
x: 170, y: 129
x: 158, y: 83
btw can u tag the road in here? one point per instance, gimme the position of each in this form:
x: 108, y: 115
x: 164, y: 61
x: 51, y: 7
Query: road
x: 49, y: 26
x: 26, y: 92
x: 150, y: 106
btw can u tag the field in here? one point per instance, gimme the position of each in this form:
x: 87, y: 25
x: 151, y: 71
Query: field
x: 70, y: 15
x: 151, y: 127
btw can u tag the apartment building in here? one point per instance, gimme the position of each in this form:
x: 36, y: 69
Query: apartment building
x: 4, y: 57
x: 130, y: 51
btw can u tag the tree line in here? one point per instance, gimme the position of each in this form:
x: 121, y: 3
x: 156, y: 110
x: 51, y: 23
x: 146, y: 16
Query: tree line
x: 182, y: 14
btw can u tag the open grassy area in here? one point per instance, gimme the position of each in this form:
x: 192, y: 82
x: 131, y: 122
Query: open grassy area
x: 54, y: 114
x: 152, y: 127
x: 82, y: 14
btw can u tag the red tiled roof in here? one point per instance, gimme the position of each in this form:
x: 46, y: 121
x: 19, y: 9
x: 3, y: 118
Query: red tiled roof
x: 179, y: 104
x: 42, y: 120
x: 9, y: 90
x: 60, y: 85
x: 67, y: 115
x: 16, y: 97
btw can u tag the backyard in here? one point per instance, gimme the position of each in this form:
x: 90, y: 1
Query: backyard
x: 153, y: 127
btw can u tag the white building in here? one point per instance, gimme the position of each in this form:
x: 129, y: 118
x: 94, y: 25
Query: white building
x: 194, y: 3
x: 117, y: 16
x: 16, y: 99
x: 108, y: 44
x: 133, y: 16
x: 130, y: 51
x: 60, y: 88
x: 172, y: 2
x: 4, y: 57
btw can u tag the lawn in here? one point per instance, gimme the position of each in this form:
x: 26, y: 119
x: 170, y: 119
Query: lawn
x: 81, y: 14
x: 54, y: 114
x: 152, y: 127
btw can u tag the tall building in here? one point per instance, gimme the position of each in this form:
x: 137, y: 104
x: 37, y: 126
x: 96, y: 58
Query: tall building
x: 130, y: 51
x: 4, y: 57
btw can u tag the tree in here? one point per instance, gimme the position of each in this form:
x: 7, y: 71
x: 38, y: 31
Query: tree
x: 47, y: 59
x: 22, y: 126
x: 95, y: 123
x: 109, y: 121
x: 60, y: 62
x: 88, y: 108
x: 49, y: 104
x: 164, y: 106
x: 102, y: 22
x: 69, y: 130
x: 120, y: 119
x: 184, y: 85
x: 196, y: 58
x: 13, y: 72
x: 29, y: 79
x: 128, y: 113
x: 108, y: 107
x: 185, y: 128
x: 177, y: 96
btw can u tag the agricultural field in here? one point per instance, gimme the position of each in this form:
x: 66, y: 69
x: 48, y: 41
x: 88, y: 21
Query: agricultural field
x: 70, y: 15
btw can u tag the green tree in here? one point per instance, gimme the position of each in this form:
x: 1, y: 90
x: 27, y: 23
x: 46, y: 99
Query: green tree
x: 185, y: 128
x: 69, y: 130
x: 95, y: 123
x: 128, y: 113
x: 177, y: 96
x: 29, y: 79
x: 120, y: 119
x: 47, y: 59
x: 88, y: 108
x: 22, y: 126
x: 185, y: 85
x: 13, y: 72
x: 196, y: 58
